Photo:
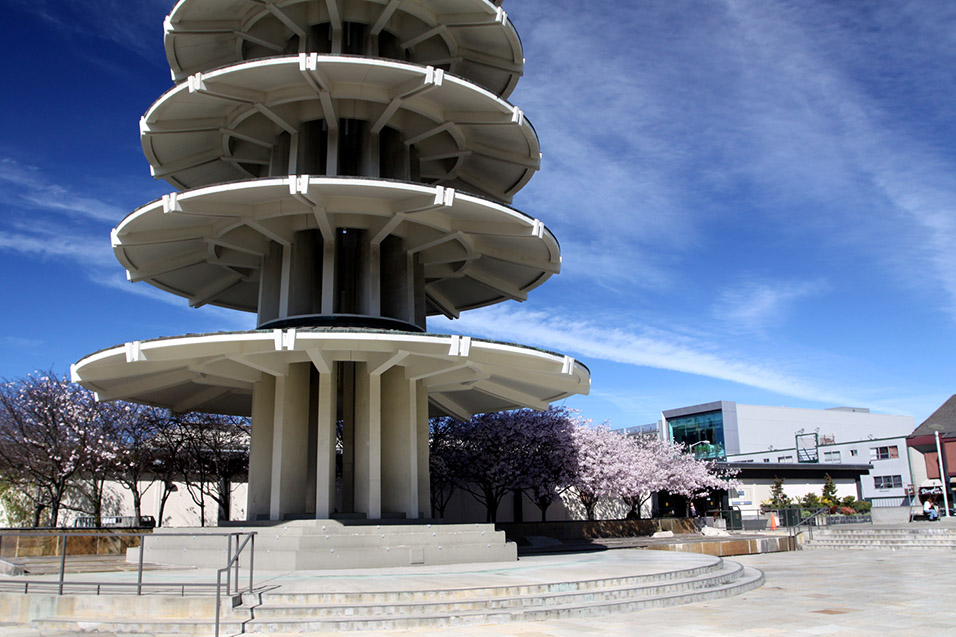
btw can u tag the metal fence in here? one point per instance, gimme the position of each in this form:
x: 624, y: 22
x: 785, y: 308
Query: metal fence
x: 236, y: 547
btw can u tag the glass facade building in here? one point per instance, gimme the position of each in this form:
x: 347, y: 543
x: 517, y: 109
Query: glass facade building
x: 694, y: 429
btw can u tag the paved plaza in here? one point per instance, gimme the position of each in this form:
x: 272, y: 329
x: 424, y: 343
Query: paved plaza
x: 818, y: 592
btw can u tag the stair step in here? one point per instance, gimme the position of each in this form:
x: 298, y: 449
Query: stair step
x: 272, y: 613
x: 277, y: 606
x: 749, y: 580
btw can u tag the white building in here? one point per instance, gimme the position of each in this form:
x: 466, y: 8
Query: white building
x: 841, y: 437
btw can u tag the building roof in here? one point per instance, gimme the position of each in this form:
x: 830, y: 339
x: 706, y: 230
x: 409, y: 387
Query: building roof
x: 811, y: 470
x: 945, y: 417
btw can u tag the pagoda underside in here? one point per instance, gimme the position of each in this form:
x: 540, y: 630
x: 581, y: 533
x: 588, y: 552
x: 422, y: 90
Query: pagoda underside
x: 300, y: 384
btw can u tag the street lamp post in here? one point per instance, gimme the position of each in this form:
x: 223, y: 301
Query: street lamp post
x: 943, y: 478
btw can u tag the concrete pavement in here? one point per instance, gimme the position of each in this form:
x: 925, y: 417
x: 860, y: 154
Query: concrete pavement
x: 806, y: 593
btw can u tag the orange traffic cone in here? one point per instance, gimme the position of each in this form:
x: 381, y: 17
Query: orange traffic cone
x: 773, y: 521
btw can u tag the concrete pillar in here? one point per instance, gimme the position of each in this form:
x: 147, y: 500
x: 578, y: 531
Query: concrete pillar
x: 374, y: 506
x: 325, y: 444
x: 270, y: 284
x: 361, y: 448
x: 347, y: 383
x: 399, y: 445
x: 424, y: 485
x: 368, y: 442
x: 290, y: 443
x: 260, y: 450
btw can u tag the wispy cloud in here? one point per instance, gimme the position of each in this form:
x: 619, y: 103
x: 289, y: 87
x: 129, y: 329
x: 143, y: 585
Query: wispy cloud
x: 666, y: 134
x: 830, y: 131
x: 87, y: 251
x: 753, y: 305
x: 119, y: 21
x: 642, y: 346
x: 220, y: 318
x: 26, y: 186
x: 19, y: 342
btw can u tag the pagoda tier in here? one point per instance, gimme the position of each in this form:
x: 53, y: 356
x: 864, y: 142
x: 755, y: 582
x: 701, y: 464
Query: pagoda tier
x: 473, y: 39
x: 413, y: 250
x: 334, y: 115
x: 296, y: 383
x: 345, y: 168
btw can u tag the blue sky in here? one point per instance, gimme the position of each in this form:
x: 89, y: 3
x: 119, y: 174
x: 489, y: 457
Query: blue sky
x: 756, y: 200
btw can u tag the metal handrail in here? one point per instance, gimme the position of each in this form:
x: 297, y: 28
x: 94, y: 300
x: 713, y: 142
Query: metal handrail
x: 231, y: 568
x: 234, y: 564
x: 810, y: 522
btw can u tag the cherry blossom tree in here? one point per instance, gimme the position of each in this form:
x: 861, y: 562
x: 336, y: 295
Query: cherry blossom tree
x: 547, y: 453
x: 492, y: 454
x: 646, y: 459
x: 658, y: 465
x: 139, y: 430
x: 44, y: 438
x: 442, y: 462
x: 485, y: 459
x: 215, y: 452
x: 602, y: 464
x: 690, y: 477
x: 100, y: 439
x: 168, y: 460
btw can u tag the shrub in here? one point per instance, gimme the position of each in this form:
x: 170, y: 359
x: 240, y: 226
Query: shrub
x: 861, y: 506
x: 811, y: 501
x: 778, y: 499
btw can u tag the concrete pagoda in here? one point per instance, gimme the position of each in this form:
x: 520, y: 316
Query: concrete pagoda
x: 343, y: 170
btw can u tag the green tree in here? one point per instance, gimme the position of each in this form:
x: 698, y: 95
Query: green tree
x: 778, y: 499
x: 810, y: 501
x: 829, y: 496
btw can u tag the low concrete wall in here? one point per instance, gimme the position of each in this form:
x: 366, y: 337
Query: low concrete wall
x: 890, y: 515
x: 591, y: 530
x: 78, y: 542
x: 22, y: 609
x: 729, y: 547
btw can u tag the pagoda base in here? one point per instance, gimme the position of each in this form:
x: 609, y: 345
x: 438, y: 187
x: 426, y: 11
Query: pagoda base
x: 306, y: 545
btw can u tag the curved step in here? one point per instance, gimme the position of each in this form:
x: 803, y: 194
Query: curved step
x: 276, y: 613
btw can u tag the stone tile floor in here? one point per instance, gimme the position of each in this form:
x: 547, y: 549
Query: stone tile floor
x: 820, y: 592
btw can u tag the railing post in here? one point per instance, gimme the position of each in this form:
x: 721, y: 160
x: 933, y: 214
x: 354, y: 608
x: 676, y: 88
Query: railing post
x: 252, y: 556
x: 218, y: 598
x: 228, y: 565
x: 62, y: 560
x: 139, y: 570
x: 236, y: 579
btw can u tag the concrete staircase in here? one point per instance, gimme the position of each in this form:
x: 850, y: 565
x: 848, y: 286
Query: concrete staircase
x: 903, y: 538
x: 331, y: 544
x: 295, y: 612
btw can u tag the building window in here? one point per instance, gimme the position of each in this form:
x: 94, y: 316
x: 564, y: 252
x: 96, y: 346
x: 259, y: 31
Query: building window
x: 884, y: 453
x: 784, y: 458
x: 766, y: 459
x: 854, y: 452
x: 695, y: 428
x: 888, y: 482
x: 832, y: 456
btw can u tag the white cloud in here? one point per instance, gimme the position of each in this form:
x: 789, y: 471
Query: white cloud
x: 639, y: 346
x: 221, y: 318
x: 90, y: 251
x: 119, y: 21
x: 665, y: 134
x: 754, y: 305
x: 20, y: 342
x: 27, y: 186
